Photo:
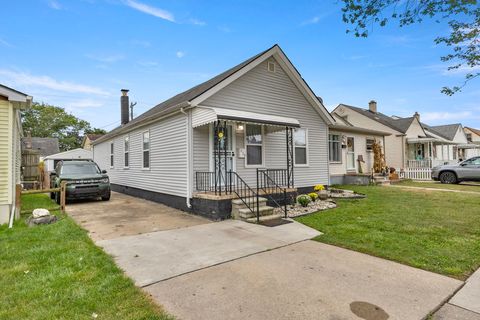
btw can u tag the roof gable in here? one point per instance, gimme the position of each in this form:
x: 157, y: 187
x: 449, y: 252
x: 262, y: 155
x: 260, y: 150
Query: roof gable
x: 448, y: 131
x: 201, y: 92
x: 475, y: 131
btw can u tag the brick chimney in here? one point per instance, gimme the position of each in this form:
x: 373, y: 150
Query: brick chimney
x: 372, y: 106
x: 417, y: 115
x: 124, y: 105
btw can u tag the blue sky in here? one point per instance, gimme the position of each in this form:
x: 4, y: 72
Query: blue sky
x: 78, y: 54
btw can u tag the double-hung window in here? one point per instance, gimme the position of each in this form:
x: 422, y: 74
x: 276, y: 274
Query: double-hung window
x: 112, y: 152
x: 254, y: 144
x: 146, y: 150
x: 370, y: 143
x: 300, y: 144
x: 334, y: 148
x: 126, y: 151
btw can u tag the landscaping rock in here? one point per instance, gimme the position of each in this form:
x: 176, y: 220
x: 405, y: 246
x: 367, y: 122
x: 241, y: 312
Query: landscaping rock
x: 37, y: 213
x: 297, y: 210
x: 31, y: 221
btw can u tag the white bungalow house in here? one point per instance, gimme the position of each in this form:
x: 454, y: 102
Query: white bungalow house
x: 255, y: 129
x: 351, y: 151
x: 11, y: 103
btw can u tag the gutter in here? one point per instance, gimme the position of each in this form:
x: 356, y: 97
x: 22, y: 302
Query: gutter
x: 188, y: 114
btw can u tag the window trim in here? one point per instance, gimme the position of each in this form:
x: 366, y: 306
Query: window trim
x: 262, y: 165
x: 144, y: 150
x: 125, y: 152
x: 366, y: 144
x: 307, y: 163
x: 339, y: 145
x: 112, y: 154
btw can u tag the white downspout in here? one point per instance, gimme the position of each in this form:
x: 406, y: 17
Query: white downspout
x: 189, y: 155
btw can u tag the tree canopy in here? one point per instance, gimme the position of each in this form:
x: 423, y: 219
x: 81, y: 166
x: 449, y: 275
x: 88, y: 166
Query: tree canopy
x: 462, y: 16
x: 47, y: 121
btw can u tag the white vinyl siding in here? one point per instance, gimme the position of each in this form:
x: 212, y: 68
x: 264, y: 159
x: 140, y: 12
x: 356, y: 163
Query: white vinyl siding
x: 168, y: 157
x: 275, y: 93
x: 6, y: 130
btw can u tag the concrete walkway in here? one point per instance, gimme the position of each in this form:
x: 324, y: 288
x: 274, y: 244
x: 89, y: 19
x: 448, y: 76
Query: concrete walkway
x: 306, y: 280
x: 153, y: 257
x: 465, y: 304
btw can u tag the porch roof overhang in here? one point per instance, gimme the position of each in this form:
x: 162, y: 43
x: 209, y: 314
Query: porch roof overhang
x: 421, y: 140
x: 468, y: 146
x: 205, y: 115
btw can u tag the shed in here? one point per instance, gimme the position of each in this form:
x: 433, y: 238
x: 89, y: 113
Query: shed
x: 75, y: 154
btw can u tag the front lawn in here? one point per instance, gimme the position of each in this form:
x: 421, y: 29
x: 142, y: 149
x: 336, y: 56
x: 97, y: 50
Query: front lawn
x: 56, y: 272
x: 436, y: 231
x: 464, y: 186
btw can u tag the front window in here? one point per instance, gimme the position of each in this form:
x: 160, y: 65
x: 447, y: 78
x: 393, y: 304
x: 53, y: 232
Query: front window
x: 254, y: 144
x: 334, y: 148
x: 146, y: 150
x: 469, y: 137
x: 112, y: 159
x: 126, y: 152
x: 370, y: 143
x: 300, y: 143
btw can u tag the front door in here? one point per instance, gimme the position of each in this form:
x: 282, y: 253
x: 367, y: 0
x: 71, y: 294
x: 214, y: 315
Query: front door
x: 222, y: 158
x: 350, y: 153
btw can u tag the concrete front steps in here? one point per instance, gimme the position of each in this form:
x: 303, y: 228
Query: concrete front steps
x: 380, y: 179
x: 241, y: 212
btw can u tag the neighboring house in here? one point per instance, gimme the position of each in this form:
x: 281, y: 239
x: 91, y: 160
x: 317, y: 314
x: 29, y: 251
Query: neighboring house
x: 11, y: 103
x: 473, y: 137
x: 75, y: 154
x: 351, y: 151
x: 212, y: 138
x: 412, y: 144
x: 44, y: 146
x: 405, y: 133
x: 88, y: 139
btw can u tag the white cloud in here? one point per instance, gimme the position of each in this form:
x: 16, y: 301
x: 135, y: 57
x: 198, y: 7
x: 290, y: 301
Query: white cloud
x: 447, y: 116
x: 147, y: 63
x: 105, y: 58
x: 141, y: 43
x: 313, y: 20
x: 5, y: 43
x: 54, y: 5
x: 180, y: 54
x: 145, y: 8
x: 197, y: 22
x: 26, y: 79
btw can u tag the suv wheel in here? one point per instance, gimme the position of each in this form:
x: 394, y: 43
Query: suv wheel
x: 106, y: 198
x: 57, y: 197
x: 448, y: 177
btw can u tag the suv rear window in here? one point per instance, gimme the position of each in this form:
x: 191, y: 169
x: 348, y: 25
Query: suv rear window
x: 83, y: 168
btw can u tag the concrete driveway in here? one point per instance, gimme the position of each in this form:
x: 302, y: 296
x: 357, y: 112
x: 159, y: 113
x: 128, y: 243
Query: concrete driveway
x: 307, y: 280
x: 125, y: 215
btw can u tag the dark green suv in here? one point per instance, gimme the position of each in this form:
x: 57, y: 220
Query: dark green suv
x: 84, y: 180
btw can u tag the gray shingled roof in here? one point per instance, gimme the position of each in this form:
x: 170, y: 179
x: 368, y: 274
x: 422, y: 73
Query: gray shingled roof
x: 400, y: 125
x: 448, y: 130
x: 173, y: 103
x: 45, y: 146
x: 434, y: 131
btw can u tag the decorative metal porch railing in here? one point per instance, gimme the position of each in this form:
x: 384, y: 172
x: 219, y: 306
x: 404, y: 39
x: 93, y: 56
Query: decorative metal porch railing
x: 271, y: 188
x: 245, y: 193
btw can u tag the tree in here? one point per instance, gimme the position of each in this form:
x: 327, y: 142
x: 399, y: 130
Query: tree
x: 462, y: 16
x: 47, y: 121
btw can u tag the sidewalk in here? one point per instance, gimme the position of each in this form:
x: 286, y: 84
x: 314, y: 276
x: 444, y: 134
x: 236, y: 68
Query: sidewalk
x: 465, y: 304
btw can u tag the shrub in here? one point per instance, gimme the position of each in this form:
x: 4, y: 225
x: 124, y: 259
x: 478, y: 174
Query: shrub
x: 319, y: 187
x: 313, y: 196
x: 303, y: 200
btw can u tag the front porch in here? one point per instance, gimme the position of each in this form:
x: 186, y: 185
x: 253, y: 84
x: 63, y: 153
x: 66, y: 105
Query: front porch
x: 251, y: 163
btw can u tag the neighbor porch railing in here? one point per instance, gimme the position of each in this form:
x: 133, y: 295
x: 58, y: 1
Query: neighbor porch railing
x: 428, y: 163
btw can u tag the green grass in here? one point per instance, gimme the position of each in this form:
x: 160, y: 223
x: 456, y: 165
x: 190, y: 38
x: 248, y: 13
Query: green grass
x: 436, y: 231
x: 56, y: 272
x: 464, y: 186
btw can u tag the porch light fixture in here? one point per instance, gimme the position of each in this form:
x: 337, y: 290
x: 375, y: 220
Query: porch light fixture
x: 239, y: 127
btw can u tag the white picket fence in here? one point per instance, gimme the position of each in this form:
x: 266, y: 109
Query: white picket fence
x: 416, y: 173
